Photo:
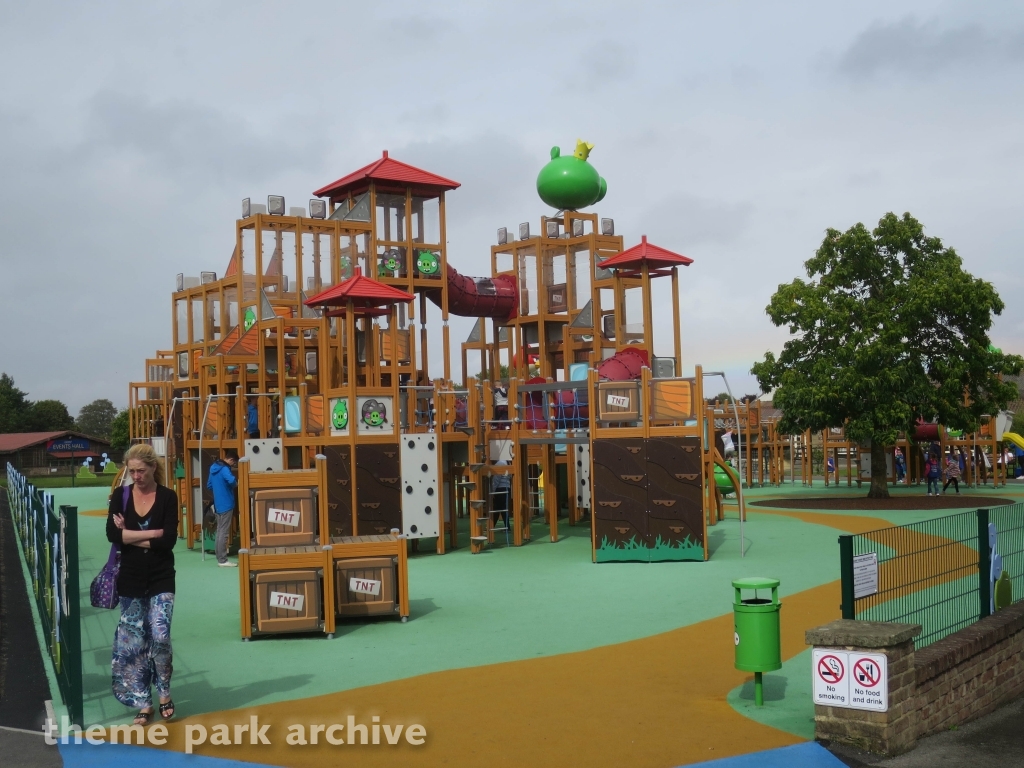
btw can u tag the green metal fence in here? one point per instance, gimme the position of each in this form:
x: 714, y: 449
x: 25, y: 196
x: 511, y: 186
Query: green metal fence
x: 49, y: 541
x: 937, y: 573
x: 1009, y: 544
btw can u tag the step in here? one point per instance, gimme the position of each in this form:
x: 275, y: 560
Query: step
x: 465, y: 430
x: 466, y: 485
x: 479, y: 539
x: 477, y: 502
x: 476, y: 467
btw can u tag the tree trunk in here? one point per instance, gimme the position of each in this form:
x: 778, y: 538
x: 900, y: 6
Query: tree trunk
x: 879, y: 472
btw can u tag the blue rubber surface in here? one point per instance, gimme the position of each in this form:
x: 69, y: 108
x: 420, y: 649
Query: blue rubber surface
x: 103, y: 755
x: 808, y: 755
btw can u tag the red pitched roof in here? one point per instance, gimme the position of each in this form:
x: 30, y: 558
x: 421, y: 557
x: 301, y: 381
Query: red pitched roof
x: 387, y: 169
x: 363, y: 292
x: 15, y: 441
x: 655, y: 257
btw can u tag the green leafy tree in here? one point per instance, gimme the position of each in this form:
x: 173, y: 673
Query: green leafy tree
x: 50, y: 416
x: 15, y: 408
x: 722, y: 397
x: 889, y: 328
x: 96, y: 418
x: 119, y: 431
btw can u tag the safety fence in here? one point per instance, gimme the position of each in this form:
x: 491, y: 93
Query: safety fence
x: 49, y: 541
x: 939, y: 573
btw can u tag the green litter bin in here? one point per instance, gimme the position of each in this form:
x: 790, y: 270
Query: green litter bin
x: 756, y: 632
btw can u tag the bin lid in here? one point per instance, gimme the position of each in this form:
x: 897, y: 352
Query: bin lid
x: 755, y: 582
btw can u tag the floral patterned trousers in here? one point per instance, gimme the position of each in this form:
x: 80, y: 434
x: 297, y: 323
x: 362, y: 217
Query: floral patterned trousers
x: 142, y: 650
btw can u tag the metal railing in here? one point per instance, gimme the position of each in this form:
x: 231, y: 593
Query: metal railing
x: 937, y: 573
x: 49, y: 541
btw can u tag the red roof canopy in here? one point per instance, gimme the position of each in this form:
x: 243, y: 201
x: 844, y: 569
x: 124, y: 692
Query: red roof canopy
x: 387, y: 169
x: 654, y: 256
x: 363, y: 292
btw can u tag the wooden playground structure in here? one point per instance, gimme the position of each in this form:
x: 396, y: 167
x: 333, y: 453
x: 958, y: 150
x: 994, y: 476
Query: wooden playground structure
x: 309, y: 358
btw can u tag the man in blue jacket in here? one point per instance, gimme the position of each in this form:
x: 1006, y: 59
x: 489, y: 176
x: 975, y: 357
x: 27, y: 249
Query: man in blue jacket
x: 222, y: 482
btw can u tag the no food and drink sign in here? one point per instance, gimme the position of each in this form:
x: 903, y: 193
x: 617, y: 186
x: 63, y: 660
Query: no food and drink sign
x: 850, y: 679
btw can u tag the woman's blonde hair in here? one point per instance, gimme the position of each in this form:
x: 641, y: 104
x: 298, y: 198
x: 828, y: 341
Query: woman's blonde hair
x: 145, y: 453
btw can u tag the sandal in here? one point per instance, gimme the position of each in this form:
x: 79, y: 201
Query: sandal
x: 167, y: 710
x: 143, y: 718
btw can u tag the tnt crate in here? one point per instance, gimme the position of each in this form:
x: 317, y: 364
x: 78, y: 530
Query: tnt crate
x: 371, y: 575
x: 280, y: 509
x: 286, y: 589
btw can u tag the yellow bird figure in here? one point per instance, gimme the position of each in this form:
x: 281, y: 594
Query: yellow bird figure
x: 582, y: 149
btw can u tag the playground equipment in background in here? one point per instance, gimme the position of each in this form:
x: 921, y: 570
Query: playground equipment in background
x: 1014, y: 438
x: 308, y: 346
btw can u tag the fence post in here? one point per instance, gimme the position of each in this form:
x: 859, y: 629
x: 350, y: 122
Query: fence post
x: 73, y: 626
x: 984, y: 566
x: 846, y: 573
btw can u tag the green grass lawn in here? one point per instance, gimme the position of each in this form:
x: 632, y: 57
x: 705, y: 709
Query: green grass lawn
x: 48, y: 481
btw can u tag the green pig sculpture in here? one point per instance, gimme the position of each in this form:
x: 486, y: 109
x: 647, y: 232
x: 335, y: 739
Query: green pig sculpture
x: 570, y: 183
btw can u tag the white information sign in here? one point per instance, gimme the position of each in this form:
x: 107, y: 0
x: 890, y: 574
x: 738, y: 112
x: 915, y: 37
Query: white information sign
x: 831, y: 681
x: 865, y: 575
x: 618, y: 401
x: 869, y: 682
x: 287, y: 601
x: 283, y: 517
x: 850, y: 679
x: 364, y: 586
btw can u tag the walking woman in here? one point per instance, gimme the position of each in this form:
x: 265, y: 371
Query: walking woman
x: 143, y: 522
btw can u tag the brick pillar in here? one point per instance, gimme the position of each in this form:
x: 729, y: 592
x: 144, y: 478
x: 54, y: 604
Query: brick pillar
x: 888, y: 733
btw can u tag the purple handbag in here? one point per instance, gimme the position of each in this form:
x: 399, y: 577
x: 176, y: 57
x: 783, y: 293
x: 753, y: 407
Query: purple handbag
x: 103, y: 590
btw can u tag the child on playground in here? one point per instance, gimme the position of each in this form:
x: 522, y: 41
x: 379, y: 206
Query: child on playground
x: 901, y: 467
x: 931, y: 473
x: 952, y: 473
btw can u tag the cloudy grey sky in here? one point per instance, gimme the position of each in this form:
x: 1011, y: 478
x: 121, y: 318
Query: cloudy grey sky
x: 735, y: 133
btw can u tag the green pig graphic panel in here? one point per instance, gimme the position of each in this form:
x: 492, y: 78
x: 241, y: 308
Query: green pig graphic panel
x: 428, y: 264
x: 391, y: 262
x: 374, y: 415
x: 339, y: 417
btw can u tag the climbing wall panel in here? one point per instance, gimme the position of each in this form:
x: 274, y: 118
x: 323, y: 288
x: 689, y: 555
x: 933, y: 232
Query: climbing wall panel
x: 421, y: 498
x: 378, y: 489
x: 339, y: 489
x: 620, y: 499
x: 675, y: 522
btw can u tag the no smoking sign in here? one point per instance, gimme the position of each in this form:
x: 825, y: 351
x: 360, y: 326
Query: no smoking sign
x: 850, y: 679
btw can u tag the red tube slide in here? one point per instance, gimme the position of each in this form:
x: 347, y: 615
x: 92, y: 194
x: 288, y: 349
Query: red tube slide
x: 495, y: 297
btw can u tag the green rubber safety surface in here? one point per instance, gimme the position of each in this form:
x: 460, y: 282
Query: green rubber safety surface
x: 505, y: 604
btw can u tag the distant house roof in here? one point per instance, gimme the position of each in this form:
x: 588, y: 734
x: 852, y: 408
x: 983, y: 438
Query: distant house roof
x: 387, y: 169
x: 11, y: 442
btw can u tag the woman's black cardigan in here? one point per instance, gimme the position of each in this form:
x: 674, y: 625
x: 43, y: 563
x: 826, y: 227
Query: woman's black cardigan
x: 146, y: 572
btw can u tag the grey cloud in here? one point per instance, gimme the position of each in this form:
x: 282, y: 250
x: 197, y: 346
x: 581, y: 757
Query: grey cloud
x: 696, y: 220
x: 608, y: 61
x: 921, y: 48
x: 195, y: 140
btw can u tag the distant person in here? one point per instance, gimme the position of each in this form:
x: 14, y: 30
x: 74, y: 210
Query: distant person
x: 501, y: 404
x: 831, y: 469
x: 222, y: 482
x: 252, y: 420
x: 952, y: 474
x: 901, y: 467
x: 501, y: 488
x: 932, y: 472
x: 143, y: 521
